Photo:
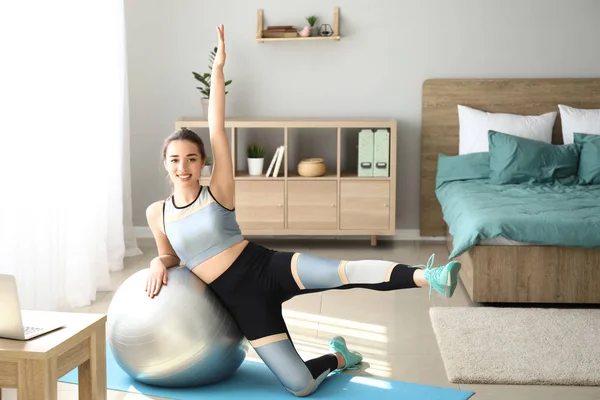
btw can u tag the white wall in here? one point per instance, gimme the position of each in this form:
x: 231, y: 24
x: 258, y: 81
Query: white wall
x: 389, y: 47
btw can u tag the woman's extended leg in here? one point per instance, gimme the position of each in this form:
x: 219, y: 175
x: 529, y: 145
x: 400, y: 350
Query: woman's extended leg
x: 299, y: 273
x: 313, y: 273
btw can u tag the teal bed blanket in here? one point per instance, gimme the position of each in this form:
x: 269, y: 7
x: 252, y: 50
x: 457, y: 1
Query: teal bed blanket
x: 523, y: 190
x: 544, y: 214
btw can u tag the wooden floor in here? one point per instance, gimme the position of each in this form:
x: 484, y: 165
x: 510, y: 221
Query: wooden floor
x: 398, y: 341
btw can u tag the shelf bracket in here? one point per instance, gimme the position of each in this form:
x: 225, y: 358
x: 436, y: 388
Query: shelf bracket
x: 259, y: 24
x: 336, y: 21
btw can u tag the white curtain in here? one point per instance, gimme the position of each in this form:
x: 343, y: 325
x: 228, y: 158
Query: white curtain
x: 64, y: 136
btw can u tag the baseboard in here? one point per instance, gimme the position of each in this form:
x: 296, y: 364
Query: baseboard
x: 143, y: 232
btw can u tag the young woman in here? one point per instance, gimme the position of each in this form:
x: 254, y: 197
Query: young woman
x: 196, y: 226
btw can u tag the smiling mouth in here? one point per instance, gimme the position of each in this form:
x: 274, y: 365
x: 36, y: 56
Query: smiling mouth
x: 185, y: 177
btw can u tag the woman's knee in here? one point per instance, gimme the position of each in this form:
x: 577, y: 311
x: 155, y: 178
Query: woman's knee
x: 316, y: 272
x: 303, y: 388
x: 279, y: 354
x: 306, y: 384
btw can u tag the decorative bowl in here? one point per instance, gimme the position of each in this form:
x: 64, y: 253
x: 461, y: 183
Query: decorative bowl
x: 312, y: 167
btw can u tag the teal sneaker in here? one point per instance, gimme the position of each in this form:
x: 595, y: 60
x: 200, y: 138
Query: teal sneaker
x: 352, y: 358
x: 443, y: 279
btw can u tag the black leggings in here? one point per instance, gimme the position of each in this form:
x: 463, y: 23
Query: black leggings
x: 260, y: 280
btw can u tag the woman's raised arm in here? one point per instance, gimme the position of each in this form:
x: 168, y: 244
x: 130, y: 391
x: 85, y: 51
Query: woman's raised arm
x: 221, y: 182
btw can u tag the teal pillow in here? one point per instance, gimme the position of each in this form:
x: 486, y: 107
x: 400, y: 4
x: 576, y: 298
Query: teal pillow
x: 515, y: 159
x: 462, y: 167
x: 589, y: 160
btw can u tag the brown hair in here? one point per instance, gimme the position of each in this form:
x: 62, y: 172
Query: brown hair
x: 184, y: 134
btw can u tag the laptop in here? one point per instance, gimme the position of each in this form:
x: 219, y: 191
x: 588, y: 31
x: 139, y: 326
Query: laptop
x: 12, y: 325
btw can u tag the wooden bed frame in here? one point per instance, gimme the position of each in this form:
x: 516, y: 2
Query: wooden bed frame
x: 506, y: 274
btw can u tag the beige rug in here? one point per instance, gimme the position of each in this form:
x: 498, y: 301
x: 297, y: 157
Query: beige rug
x: 519, y: 345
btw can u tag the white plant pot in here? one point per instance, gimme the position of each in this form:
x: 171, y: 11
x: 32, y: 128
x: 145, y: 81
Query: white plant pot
x: 204, y: 103
x: 255, y: 166
x: 206, y: 170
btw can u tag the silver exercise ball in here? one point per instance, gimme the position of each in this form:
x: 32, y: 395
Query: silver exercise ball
x: 183, y: 337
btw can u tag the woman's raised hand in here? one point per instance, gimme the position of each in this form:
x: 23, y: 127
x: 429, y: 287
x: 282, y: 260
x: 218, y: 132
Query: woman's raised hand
x: 220, y: 56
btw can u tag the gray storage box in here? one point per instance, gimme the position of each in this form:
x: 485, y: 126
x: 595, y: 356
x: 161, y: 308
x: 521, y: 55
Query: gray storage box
x: 381, y: 153
x: 365, y: 152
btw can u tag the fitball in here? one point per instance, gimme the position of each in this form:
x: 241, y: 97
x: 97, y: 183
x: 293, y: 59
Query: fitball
x: 183, y: 337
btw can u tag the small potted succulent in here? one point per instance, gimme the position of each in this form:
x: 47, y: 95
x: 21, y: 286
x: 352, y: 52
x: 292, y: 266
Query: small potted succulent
x: 312, y: 20
x: 256, y: 158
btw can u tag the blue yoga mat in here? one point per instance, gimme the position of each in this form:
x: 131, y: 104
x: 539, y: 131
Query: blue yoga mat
x: 254, y: 380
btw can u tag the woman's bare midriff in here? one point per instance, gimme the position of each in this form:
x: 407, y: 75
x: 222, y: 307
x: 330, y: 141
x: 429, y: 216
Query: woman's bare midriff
x: 214, y: 267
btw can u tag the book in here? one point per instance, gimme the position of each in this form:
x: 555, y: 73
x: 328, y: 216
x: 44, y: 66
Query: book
x: 278, y: 162
x: 273, y: 160
x: 279, y: 34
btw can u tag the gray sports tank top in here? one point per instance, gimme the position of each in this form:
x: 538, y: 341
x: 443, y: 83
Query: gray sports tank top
x: 200, y: 229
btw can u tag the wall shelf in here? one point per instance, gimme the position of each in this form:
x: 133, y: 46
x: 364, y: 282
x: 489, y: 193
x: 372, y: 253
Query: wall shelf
x: 335, y: 35
x: 297, y: 38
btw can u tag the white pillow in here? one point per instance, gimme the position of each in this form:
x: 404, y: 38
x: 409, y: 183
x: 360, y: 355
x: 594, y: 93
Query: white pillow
x: 578, y: 120
x: 474, y: 126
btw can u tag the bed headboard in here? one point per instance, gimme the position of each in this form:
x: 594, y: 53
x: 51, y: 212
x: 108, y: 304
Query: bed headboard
x: 439, y: 120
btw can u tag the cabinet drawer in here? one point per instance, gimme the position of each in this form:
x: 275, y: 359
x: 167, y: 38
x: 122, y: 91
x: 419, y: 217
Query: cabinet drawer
x: 312, y: 205
x: 259, y: 205
x: 364, y: 205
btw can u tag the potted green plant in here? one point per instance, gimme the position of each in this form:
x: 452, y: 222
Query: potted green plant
x: 256, y: 158
x: 207, y: 169
x: 204, y: 79
x: 312, y: 20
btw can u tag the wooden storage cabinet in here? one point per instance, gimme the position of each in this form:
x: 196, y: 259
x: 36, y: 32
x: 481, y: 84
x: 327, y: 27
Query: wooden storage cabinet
x: 364, y: 205
x: 339, y: 203
x: 312, y: 205
x: 259, y: 205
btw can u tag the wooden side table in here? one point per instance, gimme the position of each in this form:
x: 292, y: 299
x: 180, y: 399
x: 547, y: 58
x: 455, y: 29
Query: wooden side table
x: 34, y: 366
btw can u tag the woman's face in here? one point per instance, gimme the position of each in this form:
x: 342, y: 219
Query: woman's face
x: 183, y: 163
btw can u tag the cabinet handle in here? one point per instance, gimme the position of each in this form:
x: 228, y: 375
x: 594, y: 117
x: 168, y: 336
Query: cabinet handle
x: 385, y: 205
x: 333, y: 205
x: 279, y: 205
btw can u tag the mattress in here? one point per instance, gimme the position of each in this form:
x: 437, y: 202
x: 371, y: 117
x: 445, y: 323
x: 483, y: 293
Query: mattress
x: 479, y: 212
